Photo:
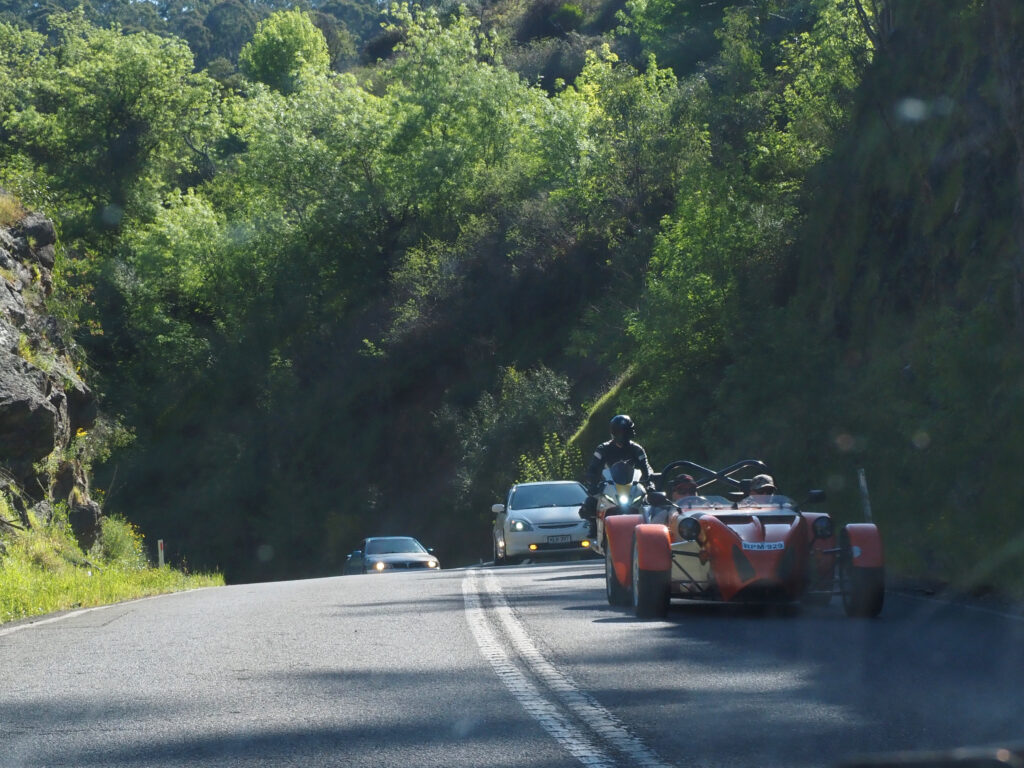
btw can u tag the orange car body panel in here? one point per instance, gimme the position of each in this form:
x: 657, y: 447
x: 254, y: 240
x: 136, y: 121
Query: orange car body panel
x: 619, y: 530
x: 746, y: 552
x: 866, y: 544
x: 654, y: 547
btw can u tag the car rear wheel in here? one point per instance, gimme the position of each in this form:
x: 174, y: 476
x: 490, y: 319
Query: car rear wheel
x: 650, y: 588
x: 863, y: 589
x: 617, y: 594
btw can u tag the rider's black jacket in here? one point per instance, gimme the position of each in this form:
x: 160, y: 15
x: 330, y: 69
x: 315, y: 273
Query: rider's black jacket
x: 609, y: 453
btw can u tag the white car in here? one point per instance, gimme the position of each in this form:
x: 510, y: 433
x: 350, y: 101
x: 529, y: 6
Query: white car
x: 540, y: 519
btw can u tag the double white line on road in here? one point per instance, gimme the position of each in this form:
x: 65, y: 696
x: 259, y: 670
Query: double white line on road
x: 582, y: 726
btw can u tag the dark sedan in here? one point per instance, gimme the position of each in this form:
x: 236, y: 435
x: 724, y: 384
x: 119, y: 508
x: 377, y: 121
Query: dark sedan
x: 381, y: 554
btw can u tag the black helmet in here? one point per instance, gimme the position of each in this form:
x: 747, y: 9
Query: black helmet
x: 622, y: 429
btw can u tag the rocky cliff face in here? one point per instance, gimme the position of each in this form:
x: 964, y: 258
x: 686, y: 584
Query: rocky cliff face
x: 44, y: 403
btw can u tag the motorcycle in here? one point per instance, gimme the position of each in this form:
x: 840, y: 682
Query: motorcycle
x: 619, y: 493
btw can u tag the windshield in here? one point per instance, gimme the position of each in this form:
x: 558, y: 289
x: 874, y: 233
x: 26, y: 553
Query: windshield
x: 690, y: 502
x: 547, y: 495
x: 774, y: 500
x: 393, y: 545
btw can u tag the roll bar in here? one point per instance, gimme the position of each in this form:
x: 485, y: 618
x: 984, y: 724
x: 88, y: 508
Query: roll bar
x: 708, y: 476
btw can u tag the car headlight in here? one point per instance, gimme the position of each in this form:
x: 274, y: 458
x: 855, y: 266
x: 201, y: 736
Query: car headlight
x: 519, y: 525
x: 689, y: 528
x: 431, y: 563
x: 823, y: 528
x: 379, y: 565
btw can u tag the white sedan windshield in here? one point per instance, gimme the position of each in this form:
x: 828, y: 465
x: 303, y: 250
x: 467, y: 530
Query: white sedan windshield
x: 548, y: 495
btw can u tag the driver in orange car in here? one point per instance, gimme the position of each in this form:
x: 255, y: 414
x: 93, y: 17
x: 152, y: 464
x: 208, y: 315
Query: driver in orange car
x: 762, y: 485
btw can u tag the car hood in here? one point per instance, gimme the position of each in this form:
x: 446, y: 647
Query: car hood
x: 401, y: 557
x: 755, y: 525
x: 545, y: 515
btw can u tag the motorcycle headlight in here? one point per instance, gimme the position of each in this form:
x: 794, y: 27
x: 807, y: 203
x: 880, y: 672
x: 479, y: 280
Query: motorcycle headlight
x: 623, y: 500
x: 519, y: 525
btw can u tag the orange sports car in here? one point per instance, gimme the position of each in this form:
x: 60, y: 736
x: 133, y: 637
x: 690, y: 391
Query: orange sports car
x: 749, y: 545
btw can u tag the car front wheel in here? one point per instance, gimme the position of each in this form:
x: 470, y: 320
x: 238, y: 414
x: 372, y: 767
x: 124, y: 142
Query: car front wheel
x: 499, y: 553
x: 650, y: 589
x: 617, y: 594
x: 863, y: 589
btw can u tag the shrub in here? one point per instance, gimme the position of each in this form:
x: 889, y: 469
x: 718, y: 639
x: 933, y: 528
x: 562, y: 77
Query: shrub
x: 121, y: 543
x: 11, y: 210
x: 568, y: 17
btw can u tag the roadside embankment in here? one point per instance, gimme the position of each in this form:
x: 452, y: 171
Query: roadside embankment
x: 57, y: 548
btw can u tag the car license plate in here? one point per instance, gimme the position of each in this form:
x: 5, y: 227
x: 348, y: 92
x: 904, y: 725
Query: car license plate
x: 763, y: 546
x: 559, y: 539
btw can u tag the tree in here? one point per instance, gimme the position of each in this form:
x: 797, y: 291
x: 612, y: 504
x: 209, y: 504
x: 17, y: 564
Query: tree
x: 115, y: 120
x: 231, y: 23
x: 285, y: 44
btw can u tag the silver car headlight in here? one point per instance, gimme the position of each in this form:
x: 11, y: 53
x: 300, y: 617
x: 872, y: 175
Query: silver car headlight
x: 379, y: 565
x: 431, y: 563
x: 519, y: 526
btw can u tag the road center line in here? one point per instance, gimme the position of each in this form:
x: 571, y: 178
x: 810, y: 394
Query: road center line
x: 594, y: 715
x: 551, y: 719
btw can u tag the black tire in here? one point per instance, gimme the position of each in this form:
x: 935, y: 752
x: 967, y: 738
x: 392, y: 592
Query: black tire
x: 863, y: 589
x: 650, y: 589
x: 616, y: 593
x: 499, y: 557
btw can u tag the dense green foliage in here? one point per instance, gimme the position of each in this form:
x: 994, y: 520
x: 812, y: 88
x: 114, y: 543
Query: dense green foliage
x: 335, y: 304
x: 284, y: 46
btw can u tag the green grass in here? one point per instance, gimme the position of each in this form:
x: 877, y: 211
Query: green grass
x: 43, y: 570
x: 599, y: 414
x: 11, y: 210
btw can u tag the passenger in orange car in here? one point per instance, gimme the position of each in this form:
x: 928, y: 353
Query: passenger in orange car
x: 681, y: 487
x: 762, y: 485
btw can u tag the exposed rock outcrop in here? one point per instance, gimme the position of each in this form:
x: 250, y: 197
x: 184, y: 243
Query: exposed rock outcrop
x: 43, y: 400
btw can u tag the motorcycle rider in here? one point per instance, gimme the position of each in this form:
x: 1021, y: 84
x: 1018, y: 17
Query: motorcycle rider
x: 620, y: 448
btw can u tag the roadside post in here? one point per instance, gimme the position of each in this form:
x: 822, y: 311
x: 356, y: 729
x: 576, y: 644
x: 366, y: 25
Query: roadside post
x: 160, y: 552
x: 865, y: 499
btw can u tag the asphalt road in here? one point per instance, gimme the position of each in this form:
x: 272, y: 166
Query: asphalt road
x: 524, y: 666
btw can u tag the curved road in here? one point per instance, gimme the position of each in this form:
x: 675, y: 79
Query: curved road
x: 524, y: 666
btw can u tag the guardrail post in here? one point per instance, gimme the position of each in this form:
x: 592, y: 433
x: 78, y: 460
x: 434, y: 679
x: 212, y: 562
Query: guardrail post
x: 160, y: 552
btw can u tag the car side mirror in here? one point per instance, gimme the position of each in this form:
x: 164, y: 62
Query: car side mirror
x: 498, y: 508
x: 658, y: 499
x: 815, y: 497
